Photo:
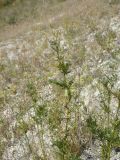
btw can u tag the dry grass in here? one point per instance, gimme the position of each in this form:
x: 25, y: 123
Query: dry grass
x: 50, y: 15
x: 24, y: 76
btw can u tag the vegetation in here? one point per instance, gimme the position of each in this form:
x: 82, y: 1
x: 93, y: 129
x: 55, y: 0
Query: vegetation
x: 64, y: 97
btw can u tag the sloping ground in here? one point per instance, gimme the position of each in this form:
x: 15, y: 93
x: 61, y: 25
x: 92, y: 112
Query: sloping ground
x: 79, y: 11
x: 27, y: 62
